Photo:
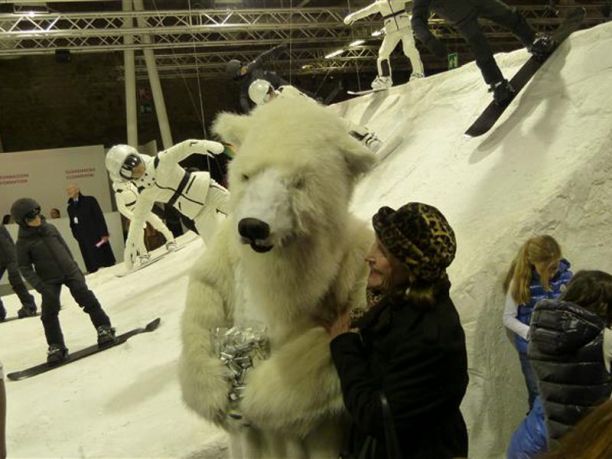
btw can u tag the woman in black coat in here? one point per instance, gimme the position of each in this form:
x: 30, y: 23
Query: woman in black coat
x: 403, y: 365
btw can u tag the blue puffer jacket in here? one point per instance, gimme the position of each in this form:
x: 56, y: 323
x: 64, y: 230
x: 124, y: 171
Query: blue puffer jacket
x: 537, y: 292
x: 529, y: 439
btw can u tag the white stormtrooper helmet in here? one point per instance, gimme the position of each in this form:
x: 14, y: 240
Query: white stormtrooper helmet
x: 120, y: 161
x: 260, y: 91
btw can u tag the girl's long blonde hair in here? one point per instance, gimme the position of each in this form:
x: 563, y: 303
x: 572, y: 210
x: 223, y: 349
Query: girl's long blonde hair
x: 538, y: 249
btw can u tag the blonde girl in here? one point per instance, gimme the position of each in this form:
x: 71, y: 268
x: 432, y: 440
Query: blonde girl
x: 537, y: 272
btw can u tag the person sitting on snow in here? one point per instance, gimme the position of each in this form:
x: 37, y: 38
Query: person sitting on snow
x: 261, y: 91
x: 464, y: 15
x: 397, y: 27
x: 126, y: 195
x: 161, y: 179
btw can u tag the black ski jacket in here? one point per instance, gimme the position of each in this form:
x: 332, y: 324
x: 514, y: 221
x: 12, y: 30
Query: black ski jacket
x: 416, y: 357
x: 7, y: 247
x: 453, y: 11
x: 43, y: 256
x: 566, y: 352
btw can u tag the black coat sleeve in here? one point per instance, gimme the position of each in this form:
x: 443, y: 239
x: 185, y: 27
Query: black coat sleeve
x: 98, y: 217
x: 415, y: 382
x: 7, y: 247
x: 24, y: 262
x: 70, y: 212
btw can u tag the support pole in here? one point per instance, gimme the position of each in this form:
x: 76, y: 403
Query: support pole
x: 158, y: 95
x: 131, y: 116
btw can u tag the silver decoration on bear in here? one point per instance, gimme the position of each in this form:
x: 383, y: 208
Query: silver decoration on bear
x: 240, y: 348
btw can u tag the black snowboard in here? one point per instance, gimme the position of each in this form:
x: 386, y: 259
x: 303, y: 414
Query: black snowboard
x: 491, y: 114
x: 11, y: 319
x: 94, y: 349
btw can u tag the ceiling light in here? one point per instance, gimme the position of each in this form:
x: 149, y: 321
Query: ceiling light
x: 357, y: 43
x: 334, y: 54
x: 377, y: 33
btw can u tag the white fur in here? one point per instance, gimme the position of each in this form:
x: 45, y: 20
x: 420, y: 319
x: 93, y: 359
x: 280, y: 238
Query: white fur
x: 296, y: 168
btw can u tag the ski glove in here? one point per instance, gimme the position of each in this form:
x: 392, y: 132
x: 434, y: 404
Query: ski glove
x: 349, y: 19
x: 437, y: 47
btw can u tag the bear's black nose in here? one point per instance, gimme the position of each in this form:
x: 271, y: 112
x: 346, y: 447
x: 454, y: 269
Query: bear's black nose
x: 253, y: 229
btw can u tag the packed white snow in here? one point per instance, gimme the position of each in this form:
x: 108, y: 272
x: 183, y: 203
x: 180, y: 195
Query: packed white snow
x: 545, y: 167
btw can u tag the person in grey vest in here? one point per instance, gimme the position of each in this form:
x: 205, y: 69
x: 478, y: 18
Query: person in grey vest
x: 570, y: 349
x: 47, y: 264
x: 8, y: 262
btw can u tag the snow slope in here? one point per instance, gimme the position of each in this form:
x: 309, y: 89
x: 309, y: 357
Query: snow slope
x: 546, y: 167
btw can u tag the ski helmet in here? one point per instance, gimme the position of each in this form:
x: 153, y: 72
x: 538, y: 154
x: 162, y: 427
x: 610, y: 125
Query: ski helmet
x: 120, y: 161
x: 260, y: 91
x: 24, y: 209
x: 232, y: 68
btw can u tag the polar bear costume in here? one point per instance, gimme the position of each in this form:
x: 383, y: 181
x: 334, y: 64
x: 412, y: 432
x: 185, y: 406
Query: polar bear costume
x: 291, y: 256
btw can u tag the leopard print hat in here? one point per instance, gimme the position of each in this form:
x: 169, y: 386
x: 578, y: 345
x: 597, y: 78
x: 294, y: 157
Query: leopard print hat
x: 419, y: 236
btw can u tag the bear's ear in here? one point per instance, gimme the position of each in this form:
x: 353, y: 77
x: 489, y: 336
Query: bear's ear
x: 358, y: 158
x: 231, y: 128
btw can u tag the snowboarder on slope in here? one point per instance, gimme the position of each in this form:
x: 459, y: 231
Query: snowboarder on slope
x: 46, y: 263
x: 464, y: 15
x: 161, y: 179
x: 261, y: 91
x: 397, y: 27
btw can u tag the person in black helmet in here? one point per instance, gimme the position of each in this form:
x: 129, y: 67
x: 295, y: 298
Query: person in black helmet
x: 246, y: 73
x: 46, y: 263
x: 464, y: 15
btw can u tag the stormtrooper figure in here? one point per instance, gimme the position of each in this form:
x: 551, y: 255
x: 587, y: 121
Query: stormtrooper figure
x: 397, y: 27
x: 261, y: 91
x: 161, y: 179
x: 126, y: 195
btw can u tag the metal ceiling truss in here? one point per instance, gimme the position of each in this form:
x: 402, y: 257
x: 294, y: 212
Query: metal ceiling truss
x: 206, y: 39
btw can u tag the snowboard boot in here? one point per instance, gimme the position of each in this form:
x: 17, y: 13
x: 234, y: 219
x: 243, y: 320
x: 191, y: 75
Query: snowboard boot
x: 2, y: 313
x: 26, y: 311
x: 143, y: 260
x: 542, y: 46
x: 106, y: 335
x: 503, y: 92
x: 171, y: 246
x: 57, y: 353
x: 380, y: 83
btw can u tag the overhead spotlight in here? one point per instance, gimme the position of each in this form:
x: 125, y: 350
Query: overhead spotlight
x: 377, y: 33
x: 306, y: 66
x: 334, y: 54
x: 357, y: 43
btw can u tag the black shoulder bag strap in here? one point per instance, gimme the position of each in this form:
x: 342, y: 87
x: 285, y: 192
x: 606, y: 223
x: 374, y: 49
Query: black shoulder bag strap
x: 391, y: 441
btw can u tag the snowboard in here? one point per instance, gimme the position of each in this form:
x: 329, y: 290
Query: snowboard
x: 389, y: 147
x: 493, y: 112
x: 365, y: 91
x: 86, y: 352
x: 11, y: 319
x: 152, y: 260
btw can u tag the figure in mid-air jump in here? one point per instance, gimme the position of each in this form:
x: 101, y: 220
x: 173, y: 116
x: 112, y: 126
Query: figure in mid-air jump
x: 397, y: 27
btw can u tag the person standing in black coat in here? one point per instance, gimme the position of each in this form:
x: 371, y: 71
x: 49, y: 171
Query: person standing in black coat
x: 8, y: 262
x: 89, y: 229
x: 47, y: 264
x: 464, y: 15
x: 403, y: 365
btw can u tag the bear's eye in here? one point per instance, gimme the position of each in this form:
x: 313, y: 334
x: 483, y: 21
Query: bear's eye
x: 244, y: 178
x: 299, y: 182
